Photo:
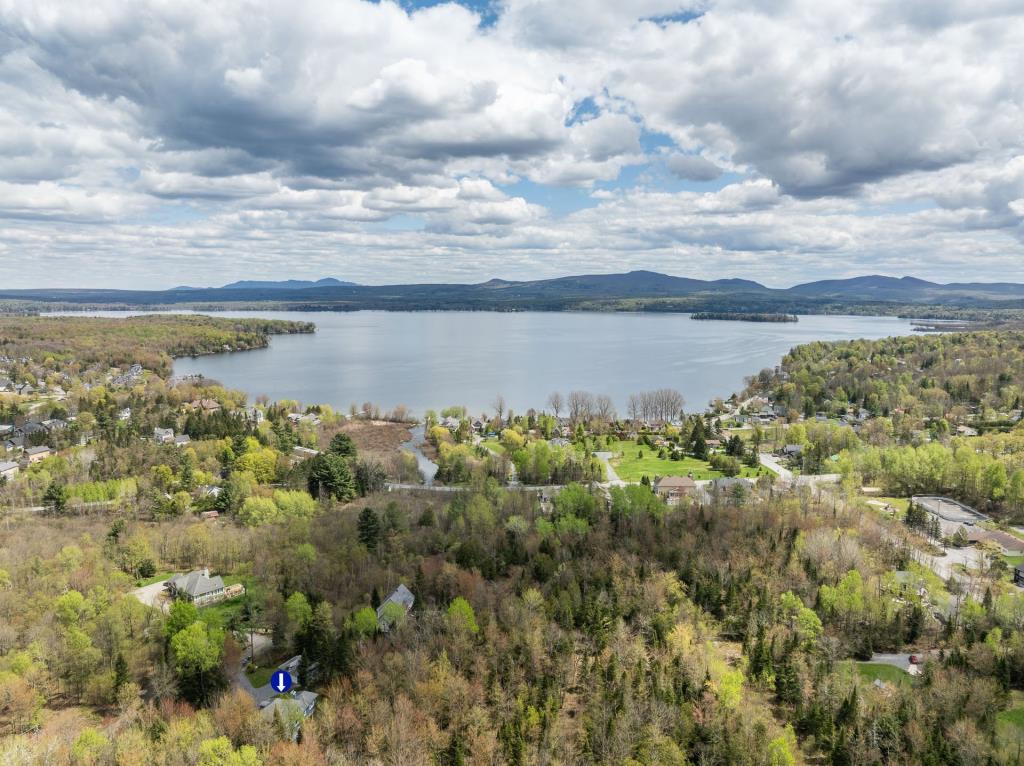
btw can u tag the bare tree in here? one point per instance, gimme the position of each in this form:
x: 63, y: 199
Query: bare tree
x: 605, y: 408
x: 499, y: 407
x: 658, y: 406
x: 635, y: 407
x: 555, y: 402
x: 581, y: 406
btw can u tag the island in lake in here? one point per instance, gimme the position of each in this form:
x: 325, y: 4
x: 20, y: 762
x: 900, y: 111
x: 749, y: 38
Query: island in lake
x: 742, y: 316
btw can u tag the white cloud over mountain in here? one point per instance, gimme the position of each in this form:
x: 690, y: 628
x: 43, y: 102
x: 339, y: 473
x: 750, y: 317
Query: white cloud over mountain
x: 150, y: 143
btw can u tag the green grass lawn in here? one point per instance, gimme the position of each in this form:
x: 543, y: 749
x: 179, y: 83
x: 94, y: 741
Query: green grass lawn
x: 260, y: 676
x: 223, y: 614
x: 1014, y: 716
x: 159, y: 577
x: 899, y: 503
x: 1010, y: 722
x: 872, y: 671
x: 1014, y: 561
x: 494, y: 446
x: 632, y: 467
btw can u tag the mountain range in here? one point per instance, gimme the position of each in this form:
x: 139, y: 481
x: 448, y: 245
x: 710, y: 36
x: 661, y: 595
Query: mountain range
x: 284, y: 284
x: 635, y: 290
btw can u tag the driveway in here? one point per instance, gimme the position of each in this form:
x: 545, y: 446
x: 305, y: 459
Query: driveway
x: 771, y: 462
x: 613, y: 478
x: 260, y: 644
x: 259, y: 694
x: 152, y: 595
x: 901, y: 661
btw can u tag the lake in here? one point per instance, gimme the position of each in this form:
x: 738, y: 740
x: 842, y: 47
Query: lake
x: 429, y: 360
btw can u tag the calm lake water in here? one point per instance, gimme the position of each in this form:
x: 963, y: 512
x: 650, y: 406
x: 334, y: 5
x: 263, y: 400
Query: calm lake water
x: 427, y: 360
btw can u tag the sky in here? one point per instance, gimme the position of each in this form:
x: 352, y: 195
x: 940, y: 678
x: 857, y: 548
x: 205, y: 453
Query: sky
x: 149, y: 144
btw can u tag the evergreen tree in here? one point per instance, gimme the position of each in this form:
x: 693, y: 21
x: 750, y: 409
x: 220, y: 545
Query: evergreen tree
x: 330, y: 476
x: 342, y: 445
x: 121, y: 676
x: 56, y: 498
x: 369, y: 528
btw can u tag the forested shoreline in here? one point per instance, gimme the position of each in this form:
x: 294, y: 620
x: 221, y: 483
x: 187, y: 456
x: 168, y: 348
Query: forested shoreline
x: 580, y: 621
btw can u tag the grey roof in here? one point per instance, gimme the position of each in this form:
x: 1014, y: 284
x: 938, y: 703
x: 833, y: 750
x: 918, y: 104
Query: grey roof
x: 306, y: 699
x: 302, y: 701
x: 7, y: 466
x: 197, y: 583
x: 401, y: 595
x: 37, y: 450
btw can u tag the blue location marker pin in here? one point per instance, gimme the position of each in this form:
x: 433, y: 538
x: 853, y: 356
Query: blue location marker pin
x: 281, y: 681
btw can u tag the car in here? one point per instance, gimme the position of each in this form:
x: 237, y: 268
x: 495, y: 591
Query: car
x: 914, y: 659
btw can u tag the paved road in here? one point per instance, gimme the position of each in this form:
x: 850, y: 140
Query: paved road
x: 771, y: 462
x: 73, y: 507
x: 423, y: 487
x: 613, y: 478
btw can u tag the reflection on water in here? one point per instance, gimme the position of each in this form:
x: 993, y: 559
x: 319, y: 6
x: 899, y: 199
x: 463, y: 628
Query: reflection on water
x: 429, y: 360
x: 428, y: 468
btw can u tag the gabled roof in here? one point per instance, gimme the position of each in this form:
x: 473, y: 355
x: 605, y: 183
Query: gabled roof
x: 197, y: 583
x: 7, y: 466
x: 402, y: 596
x: 37, y: 450
x: 675, y: 482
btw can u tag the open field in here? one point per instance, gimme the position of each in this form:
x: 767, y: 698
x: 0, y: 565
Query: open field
x: 879, y: 503
x: 376, y: 435
x: 637, y: 461
x: 878, y: 671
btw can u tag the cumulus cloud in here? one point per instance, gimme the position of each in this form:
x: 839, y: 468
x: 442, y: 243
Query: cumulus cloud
x: 693, y: 167
x: 384, y: 144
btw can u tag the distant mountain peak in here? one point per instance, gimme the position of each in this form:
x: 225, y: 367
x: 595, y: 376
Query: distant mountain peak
x: 286, y: 284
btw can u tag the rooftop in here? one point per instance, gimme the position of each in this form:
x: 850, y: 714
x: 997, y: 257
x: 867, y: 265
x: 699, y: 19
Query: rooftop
x: 197, y: 582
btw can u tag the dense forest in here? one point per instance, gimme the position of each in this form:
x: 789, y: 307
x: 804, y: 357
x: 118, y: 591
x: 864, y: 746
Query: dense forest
x: 927, y: 376
x: 147, y: 340
x: 580, y: 622
x: 606, y: 632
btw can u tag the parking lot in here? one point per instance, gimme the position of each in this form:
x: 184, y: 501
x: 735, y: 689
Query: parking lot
x: 948, y: 509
